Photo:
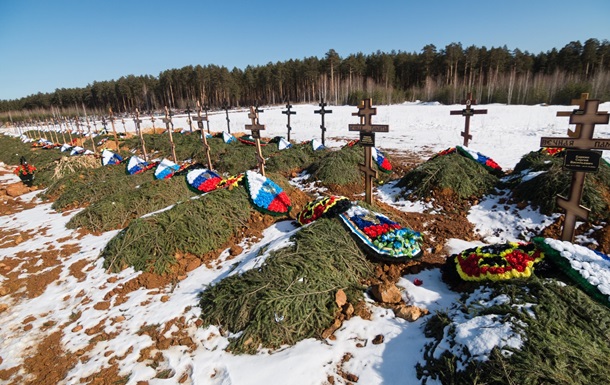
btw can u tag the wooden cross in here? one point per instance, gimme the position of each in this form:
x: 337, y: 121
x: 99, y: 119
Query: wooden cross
x: 467, y: 113
x: 255, y: 127
x: 226, y: 108
x: 199, y: 119
x: 581, y: 106
x: 587, y: 118
x: 169, y: 126
x: 138, y: 121
x: 367, y: 140
x: 152, y: 120
x: 206, y: 108
x: 288, y: 113
x: 116, y: 139
x: 322, y: 111
x: 123, y: 122
x: 188, y: 119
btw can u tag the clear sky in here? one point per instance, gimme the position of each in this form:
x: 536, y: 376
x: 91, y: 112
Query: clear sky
x: 49, y: 44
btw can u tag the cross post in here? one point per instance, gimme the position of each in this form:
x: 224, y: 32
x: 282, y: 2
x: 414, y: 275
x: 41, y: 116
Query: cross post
x: 138, y: 121
x: 581, y: 106
x: 123, y: 122
x: 226, y: 108
x: 188, y: 119
x: 322, y: 112
x: 467, y: 113
x: 169, y: 126
x: 288, y: 112
x: 255, y: 127
x: 367, y: 139
x: 585, y: 120
x: 199, y: 119
x: 116, y: 140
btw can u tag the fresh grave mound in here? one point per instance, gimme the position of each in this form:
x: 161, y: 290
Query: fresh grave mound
x: 251, y: 141
x: 527, y: 332
x: 449, y: 171
x: 69, y: 165
x: 588, y: 268
x: 12, y: 149
x: 84, y: 187
x: 291, y: 297
x: 382, y: 238
x: 196, y: 226
x: 498, y: 262
x: 338, y: 168
x: 293, y: 159
x: 538, y: 178
x: 118, y: 208
x: 383, y: 163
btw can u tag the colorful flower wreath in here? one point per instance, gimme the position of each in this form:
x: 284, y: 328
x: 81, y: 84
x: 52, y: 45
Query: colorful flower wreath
x: 552, y: 151
x: 386, y: 236
x: 498, y: 262
x: 325, y: 207
x: 266, y: 195
x: 24, y: 169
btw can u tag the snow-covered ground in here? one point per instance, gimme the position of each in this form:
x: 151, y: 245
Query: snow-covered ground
x: 506, y: 133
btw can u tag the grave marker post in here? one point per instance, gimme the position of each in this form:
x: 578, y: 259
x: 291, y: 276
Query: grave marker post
x: 226, y: 107
x: 322, y: 112
x: 367, y: 140
x: 111, y: 118
x: 138, y: 121
x: 124, y: 129
x: 288, y: 112
x: 169, y: 125
x: 200, y: 119
x: 581, y: 105
x: 206, y: 108
x: 255, y: 127
x: 188, y: 118
x: 587, y: 118
x: 467, y: 113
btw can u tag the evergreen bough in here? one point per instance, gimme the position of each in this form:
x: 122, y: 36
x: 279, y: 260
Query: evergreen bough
x: 292, y: 296
x: 196, y: 226
x: 338, y: 167
x: 118, y: 208
x: 463, y: 176
x: 543, y: 189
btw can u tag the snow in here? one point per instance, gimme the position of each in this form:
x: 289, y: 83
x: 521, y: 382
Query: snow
x: 506, y: 133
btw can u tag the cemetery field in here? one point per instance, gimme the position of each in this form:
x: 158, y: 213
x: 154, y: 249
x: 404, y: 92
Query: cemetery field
x: 110, y: 278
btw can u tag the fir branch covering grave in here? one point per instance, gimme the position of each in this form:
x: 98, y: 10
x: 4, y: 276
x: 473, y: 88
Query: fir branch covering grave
x: 542, y: 189
x: 91, y: 185
x: 196, y: 226
x: 292, y: 296
x: 338, y: 167
x: 12, y: 149
x: 297, y: 157
x: 566, y: 342
x: 463, y: 176
x: 118, y: 208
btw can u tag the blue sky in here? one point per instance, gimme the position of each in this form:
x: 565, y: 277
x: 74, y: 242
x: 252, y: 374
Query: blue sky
x: 49, y: 44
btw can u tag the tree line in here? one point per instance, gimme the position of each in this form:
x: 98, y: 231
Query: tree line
x: 494, y: 75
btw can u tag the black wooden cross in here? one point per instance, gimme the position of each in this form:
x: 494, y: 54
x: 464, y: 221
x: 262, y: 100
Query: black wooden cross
x: 322, y: 111
x: 138, y: 121
x: 199, y: 119
x: 586, y: 118
x: 169, y: 125
x: 367, y: 140
x: 226, y: 107
x: 467, y: 113
x: 255, y: 127
x: 288, y: 112
x: 188, y: 119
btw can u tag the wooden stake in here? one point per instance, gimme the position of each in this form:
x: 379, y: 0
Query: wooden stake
x: 199, y: 119
x: 116, y: 139
x: 169, y: 126
x: 137, y: 121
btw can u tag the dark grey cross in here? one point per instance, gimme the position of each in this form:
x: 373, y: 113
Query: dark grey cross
x: 255, y: 127
x: 226, y: 108
x: 467, y: 113
x: 199, y: 119
x: 322, y: 112
x: 169, y: 125
x: 288, y: 112
x: 586, y: 119
x: 188, y: 119
x: 367, y: 139
x: 138, y: 121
